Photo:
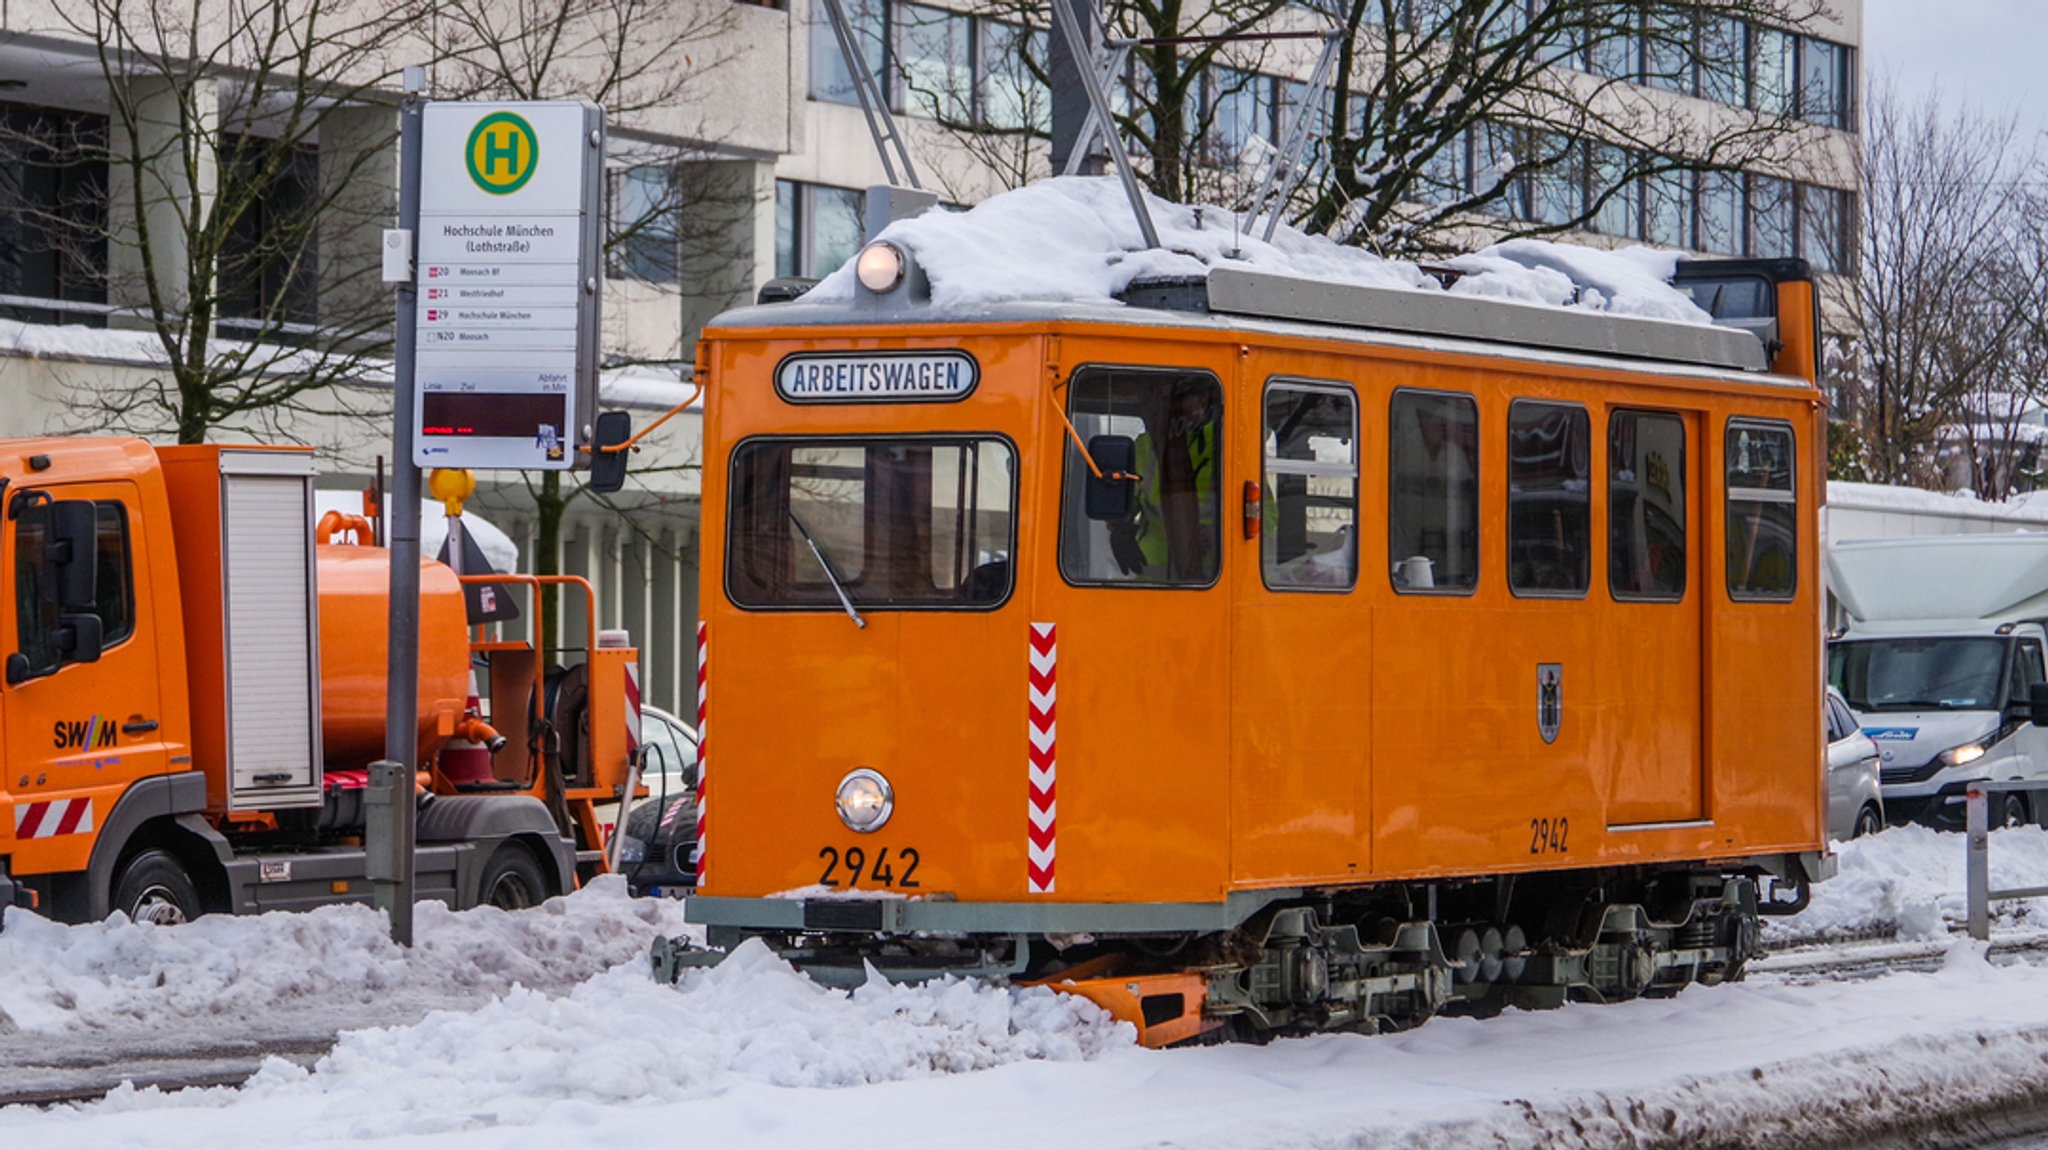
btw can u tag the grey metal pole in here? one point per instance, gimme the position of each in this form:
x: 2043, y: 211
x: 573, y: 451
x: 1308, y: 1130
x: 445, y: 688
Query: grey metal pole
x: 1976, y: 824
x: 389, y: 834
x: 1070, y: 107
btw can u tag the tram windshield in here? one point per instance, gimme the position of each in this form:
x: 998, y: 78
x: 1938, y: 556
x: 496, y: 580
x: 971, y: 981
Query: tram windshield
x: 898, y: 522
x: 1918, y: 674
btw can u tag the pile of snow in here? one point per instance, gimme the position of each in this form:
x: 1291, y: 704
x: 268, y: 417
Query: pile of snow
x: 222, y: 972
x: 1908, y: 882
x: 1075, y: 239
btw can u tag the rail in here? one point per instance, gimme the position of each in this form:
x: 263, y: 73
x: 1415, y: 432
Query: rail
x: 1977, y: 848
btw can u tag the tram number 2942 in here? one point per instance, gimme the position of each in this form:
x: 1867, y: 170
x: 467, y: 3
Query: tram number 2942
x: 851, y: 866
x: 1547, y: 836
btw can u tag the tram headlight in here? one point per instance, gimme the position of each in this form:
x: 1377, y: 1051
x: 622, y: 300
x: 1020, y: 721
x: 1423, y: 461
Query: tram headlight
x: 880, y: 267
x: 865, y: 800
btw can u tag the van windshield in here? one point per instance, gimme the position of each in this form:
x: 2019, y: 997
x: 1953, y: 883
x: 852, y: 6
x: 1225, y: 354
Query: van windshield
x: 895, y: 522
x: 1918, y: 674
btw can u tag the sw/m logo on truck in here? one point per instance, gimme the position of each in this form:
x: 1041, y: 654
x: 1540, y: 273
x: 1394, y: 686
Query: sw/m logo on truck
x: 82, y: 733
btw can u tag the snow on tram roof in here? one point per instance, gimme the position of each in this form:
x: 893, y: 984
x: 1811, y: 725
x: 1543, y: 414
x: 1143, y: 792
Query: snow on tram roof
x: 1074, y: 240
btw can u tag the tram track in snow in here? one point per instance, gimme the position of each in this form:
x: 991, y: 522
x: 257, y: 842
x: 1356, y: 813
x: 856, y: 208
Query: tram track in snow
x: 1833, y: 961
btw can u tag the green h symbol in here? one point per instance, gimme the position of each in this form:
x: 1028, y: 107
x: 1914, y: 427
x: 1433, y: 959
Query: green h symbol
x: 501, y: 146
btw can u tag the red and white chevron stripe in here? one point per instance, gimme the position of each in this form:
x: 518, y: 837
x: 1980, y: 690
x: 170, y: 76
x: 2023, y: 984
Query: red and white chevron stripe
x: 48, y: 820
x: 632, y: 707
x: 1044, y: 733
x: 703, y: 782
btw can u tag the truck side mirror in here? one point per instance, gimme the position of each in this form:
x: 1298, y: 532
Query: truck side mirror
x: 80, y: 638
x: 1113, y: 495
x: 2037, y: 705
x: 608, y: 468
x: 71, y: 561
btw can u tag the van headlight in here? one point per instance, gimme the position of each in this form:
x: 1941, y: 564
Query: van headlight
x: 865, y: 800
x: 1957, y: 756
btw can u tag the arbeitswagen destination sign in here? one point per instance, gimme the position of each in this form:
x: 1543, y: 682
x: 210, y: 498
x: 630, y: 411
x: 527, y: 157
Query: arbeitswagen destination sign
x: 508, y: 284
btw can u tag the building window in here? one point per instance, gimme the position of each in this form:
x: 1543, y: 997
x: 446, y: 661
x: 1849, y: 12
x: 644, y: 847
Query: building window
x: 1237, y: 108
x: 1720, y: 228
x: 1445, y: 175
x: 1668, y: 48
x: 1763, y: 506
x: 1550, y: 499
x: 1013, y: 97
x: 1668, y: 209
x: 1433, y: 492
x: 1770, y: 217
x: 1724, y: 60
x: 1646, y: 501
x: 831, y: 80
x: 817, y: 227
x: 935, y: 62
x: 53, y: 212
x: 646, y: 224
x: 1557, y: 190
x: 1823, y: 228
x: 268, y: 266
x: 1308, y: 539
x: 1823, y: 83
x: 1773, y: 75
x: 1495, y: 160
x: 1621, y: 213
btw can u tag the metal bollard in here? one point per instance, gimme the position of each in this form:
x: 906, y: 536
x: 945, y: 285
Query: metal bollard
x: 1977, y: 862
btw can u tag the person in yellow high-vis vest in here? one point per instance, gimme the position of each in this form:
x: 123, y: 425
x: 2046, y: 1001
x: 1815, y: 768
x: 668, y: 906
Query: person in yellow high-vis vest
x: 1173, y: 536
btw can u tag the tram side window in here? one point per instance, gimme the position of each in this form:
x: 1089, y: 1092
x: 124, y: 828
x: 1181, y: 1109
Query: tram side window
x: 914, y: 522
x: 1433, y: 491
x: 1763, y: 512
x: 1550, y: 499
x: 1309, y: 535
x: 1646, y: 506
x: 1173, y: 537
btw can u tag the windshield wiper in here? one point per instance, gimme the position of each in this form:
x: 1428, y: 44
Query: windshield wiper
x: 830, y: 574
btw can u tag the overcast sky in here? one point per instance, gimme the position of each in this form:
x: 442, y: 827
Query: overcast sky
x: 1988, y: 52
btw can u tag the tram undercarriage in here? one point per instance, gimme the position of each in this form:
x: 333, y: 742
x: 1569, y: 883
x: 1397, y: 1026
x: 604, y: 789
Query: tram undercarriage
x: 1364, y: 959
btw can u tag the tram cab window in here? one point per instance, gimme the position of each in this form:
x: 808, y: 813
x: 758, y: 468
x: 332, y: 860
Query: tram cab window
x: 1433, y: 492
x: 1550, y: 499
x: 897, y: 522
x: 1646, y: 521
x: 1174, y: 534
x: 1309, y: 537
x: 1763, y: 511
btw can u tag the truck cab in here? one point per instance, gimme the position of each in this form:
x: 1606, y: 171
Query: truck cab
x: 1941, y: 661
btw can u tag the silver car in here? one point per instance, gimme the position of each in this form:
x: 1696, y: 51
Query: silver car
x: 1855, y: 803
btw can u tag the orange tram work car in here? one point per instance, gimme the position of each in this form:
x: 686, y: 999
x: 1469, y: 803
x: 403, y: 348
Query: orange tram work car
x: 1254, y: 655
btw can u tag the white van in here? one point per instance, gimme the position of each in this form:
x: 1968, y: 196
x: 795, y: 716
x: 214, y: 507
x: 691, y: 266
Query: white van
x: 1945, y: 664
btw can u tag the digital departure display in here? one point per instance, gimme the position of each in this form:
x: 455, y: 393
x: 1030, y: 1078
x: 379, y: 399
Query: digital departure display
x: 493, y: 414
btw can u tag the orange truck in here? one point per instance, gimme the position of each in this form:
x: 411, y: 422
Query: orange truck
x: 194, y: 690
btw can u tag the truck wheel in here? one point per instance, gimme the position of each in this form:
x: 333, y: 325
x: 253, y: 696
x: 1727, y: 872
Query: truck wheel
x: 154, y: 887
x: 511, y: 880
x: 1868, y: 822
x: 2011, y: 811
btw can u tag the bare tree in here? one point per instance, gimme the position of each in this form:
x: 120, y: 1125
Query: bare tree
x: 207, y: 236
x: 1948, y: 290
x: 1524, y: 118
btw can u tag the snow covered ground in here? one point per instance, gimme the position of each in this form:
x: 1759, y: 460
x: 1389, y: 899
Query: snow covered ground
x: 545, y: 1026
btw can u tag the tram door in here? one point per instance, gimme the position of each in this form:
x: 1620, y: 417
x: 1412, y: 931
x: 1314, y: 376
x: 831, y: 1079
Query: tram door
x: 1651, y: 652
x: 1300, y: 702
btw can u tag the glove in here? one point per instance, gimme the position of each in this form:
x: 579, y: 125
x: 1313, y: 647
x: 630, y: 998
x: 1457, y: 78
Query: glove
x: 1123, y: 544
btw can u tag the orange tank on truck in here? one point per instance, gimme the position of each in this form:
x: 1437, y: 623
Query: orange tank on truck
x: 194, y: 691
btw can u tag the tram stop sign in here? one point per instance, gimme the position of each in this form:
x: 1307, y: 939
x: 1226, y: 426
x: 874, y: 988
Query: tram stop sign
x: 508, y: 278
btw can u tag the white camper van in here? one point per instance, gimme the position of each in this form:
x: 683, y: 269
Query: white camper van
x: 1942, y: 662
